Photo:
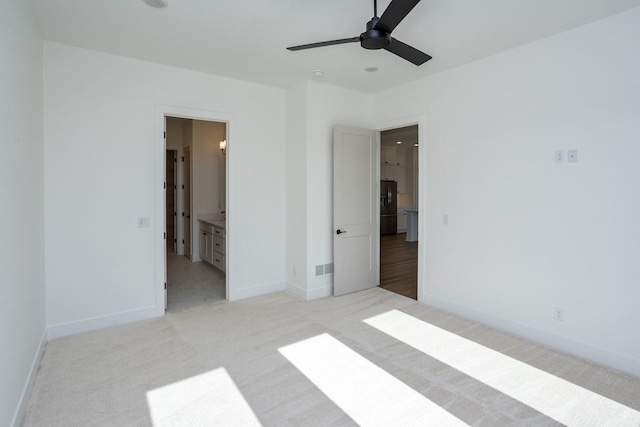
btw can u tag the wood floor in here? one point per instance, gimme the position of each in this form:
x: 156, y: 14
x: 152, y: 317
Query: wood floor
x: 399, y: 265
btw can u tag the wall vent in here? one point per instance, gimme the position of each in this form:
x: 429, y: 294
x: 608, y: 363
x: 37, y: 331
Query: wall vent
x: 328, y: 268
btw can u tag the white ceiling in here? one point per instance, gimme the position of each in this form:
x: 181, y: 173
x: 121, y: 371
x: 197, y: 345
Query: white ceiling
x: 246, y: 39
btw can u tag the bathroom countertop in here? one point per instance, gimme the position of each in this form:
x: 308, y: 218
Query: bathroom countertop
x: 220, y: 223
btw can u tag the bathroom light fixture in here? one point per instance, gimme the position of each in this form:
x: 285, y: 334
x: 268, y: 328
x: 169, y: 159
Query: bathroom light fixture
x: 223, y: 146
x: 157, y: 3
x: 318, y: 73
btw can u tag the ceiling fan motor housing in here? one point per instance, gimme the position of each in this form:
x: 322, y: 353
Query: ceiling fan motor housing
x: 374, y: 38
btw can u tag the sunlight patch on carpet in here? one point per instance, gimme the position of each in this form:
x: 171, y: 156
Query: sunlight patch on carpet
x: 364, y: 391
x: 208, y: 399
x: 555, y: 397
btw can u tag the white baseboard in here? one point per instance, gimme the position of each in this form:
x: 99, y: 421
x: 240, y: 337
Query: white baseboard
x: 578, y: 348
x: 23, y: 403
x: 319, y: 292
x: 309, y: 294
x: 257, y: 290
x: 85, y: 325
x: 295, y: 291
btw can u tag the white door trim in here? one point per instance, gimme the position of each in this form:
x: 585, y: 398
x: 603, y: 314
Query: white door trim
x: 161, y: 111
x: 421, y: 121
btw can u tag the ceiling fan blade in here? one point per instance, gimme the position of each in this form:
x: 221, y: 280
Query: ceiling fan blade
x: 395, y: 13
x: 407, y: 52
x: 321, y: 44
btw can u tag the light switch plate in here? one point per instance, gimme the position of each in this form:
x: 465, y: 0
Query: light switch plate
x: 572, y: 156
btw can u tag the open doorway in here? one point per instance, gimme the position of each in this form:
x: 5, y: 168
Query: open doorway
x: 195, y: 269
x: 399, y: 210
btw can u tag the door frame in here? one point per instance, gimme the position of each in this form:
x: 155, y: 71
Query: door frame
x: 421, y: 121
x: 161, y: 112
x: 175, y: 197
x: 187, y: 232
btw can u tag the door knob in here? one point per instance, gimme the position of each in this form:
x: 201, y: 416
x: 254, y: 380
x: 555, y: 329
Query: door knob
x: 340, y: 231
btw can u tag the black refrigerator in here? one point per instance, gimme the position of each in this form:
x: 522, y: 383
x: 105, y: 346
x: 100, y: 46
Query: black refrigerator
x: 388, y: 207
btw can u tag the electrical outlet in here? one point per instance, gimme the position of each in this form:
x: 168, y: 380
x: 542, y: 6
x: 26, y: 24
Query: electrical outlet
x: 559, y: 156
x: 558, y: 314
x: 445, y: 219
x: 143, y: 222
x: 319, y: 270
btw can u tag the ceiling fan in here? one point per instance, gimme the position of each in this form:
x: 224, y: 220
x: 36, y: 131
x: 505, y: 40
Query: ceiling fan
x: 378, y: 33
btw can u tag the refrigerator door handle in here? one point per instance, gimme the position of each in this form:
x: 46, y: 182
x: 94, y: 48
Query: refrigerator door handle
x: 390, y: 195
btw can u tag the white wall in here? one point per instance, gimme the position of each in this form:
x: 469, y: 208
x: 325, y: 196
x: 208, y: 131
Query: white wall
x: 22, y: 308
x: 526, y: 235
x: 296, y: 190
x: 313, y: 109
x: 100, y: 172
x: 327, y: 106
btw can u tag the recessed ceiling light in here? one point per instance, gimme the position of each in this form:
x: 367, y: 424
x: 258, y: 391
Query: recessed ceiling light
x: 371, y: 69
x: 398, y: 142
x: 415, y: 145
x: 318, y: 73
x: 157, y: 3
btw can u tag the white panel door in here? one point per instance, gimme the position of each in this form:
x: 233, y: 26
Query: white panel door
x: 355, y: 210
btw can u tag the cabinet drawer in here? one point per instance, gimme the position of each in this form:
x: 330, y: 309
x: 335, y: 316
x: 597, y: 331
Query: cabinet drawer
x: 220, y: 232
x: 206, y: 227
x: 218, y: 244
x: 219, y: 261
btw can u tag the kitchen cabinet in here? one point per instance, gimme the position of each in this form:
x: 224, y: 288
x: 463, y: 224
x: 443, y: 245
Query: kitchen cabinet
x: 388, y: 172
x: 401, y: 179
x: 401, y: 171
x: 388, y: 164
x: 388, y: 156
x: 402, y: 220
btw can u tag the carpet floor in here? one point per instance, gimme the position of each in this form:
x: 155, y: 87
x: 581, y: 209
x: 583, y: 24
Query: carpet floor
x: 368, y: 358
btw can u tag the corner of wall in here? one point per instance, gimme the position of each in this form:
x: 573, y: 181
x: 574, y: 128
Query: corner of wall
x: 254, y: 291
x: 310, y: 294
x: 92, y: 324
x: 295, y: 291
x: 23, y: 403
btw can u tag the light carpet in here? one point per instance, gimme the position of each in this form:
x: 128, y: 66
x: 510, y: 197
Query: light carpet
x: 278, y: 361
